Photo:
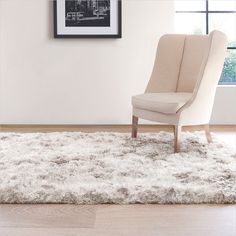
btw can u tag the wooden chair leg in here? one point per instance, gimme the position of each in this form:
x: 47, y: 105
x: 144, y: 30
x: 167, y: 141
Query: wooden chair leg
x: 134, y: 126
x: 208, y: 133
x: 177, y: 134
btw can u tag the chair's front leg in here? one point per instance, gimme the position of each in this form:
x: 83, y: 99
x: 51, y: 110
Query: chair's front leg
x: 208, y: 133
x: 177, y: 134
x: 134, y: 126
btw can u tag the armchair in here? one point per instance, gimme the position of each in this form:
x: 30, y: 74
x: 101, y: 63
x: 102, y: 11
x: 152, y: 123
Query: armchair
x: 182, y: 86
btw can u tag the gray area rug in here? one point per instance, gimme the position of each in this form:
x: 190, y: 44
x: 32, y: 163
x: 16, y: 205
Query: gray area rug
x: 99, y: 168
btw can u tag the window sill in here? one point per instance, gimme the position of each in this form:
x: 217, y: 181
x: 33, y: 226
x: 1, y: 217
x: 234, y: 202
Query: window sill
x: 226, y: 86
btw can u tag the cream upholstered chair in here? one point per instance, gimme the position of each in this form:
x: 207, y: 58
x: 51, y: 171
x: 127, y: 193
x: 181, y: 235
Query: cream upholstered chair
x: 182, y: 87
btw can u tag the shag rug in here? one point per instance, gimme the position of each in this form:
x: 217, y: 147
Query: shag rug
x: 95, y: 168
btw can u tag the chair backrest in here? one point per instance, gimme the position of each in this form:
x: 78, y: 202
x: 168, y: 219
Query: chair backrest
x: 182, y: 59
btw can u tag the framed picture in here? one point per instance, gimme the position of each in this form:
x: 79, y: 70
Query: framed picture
x: 87, y: 18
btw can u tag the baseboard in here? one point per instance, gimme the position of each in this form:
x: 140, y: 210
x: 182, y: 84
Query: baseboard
x: 108, y: 128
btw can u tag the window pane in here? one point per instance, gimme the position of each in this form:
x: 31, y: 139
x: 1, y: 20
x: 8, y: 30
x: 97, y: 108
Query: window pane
x: 190, y: 23
x: 190, y: 5
x: 222, y: 5
x: 229, y: 72
x: 226, y: 22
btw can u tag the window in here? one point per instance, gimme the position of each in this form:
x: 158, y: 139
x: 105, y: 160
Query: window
x: 203, y: 16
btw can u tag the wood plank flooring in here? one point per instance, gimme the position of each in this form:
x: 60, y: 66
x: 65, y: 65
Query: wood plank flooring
x: 118, y: 220
x: 109, y: 128
x: 115, y: 220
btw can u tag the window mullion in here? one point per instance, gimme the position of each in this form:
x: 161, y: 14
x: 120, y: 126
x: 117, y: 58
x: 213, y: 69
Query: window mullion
x: 207, y: 17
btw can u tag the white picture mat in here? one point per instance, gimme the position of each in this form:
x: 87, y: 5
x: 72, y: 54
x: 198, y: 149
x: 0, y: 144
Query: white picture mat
x: 63, y: 30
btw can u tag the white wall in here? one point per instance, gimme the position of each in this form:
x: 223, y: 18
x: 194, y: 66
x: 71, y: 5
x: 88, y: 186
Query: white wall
x: 81, y: 81
x: 75, y: 81
x: 224, y: 110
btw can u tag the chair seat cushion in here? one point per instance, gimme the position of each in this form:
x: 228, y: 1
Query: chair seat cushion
x: 168, y: 103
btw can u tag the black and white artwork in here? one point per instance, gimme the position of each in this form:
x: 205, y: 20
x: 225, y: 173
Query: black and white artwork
x: 87, y: 13
x: 87, y: 18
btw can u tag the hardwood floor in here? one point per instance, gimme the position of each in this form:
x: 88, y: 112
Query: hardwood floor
x: 118, y: 220
x: 115, y: 220
x: 109, y: 128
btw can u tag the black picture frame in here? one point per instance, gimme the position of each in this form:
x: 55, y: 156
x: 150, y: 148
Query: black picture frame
x: 119, y: 21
